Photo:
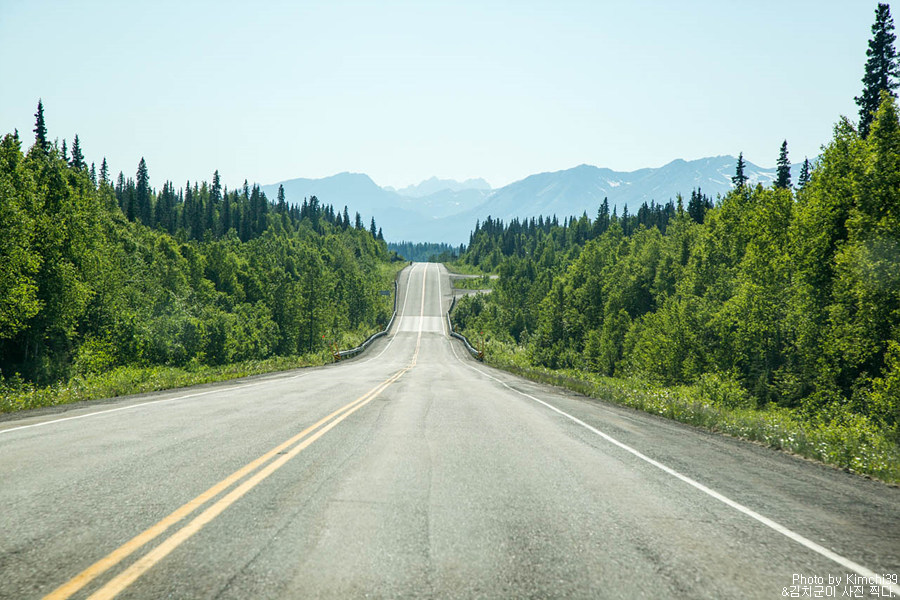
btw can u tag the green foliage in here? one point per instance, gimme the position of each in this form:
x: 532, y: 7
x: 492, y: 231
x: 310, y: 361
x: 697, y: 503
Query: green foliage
x: 95, y: 279
x: 772, y: 298
x: 882, y: 67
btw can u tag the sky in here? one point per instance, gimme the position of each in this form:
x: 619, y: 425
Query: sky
x: 403, y: 91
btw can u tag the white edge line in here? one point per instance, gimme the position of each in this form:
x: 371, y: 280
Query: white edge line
x: 821, y: 550
x: 138, y: 405
x: 399, y: 317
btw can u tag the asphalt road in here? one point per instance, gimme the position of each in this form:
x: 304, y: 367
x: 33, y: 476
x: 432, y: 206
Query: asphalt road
x: 413, y: 471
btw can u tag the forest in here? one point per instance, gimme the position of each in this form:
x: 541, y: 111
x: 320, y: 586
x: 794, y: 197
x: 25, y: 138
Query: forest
x: 99, y: 276
x: 771, y: 298
x: 772, y: 313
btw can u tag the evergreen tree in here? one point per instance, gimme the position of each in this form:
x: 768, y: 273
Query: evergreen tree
x: 104, y: 171
x: 226, y: 213
x: 372, y: 229
x: 65, y: 151
x: 380, y: 236
x: 40, y: 130
x: 94, y: 174
x: 358, y: 224
x: 882, y: 67
x: 212, y: 206
x: 803, y: 180
x: 144, y: 207
x: 77, y: 161
x: 282, y: 205
x: 739, y: 179
x: 783, y: 173
x: 346, y: 221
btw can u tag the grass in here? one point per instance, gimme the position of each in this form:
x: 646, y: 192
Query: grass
x: 472, y: 283
x: 850, y: 442
x: 458, y: 268
x: 121, y: 381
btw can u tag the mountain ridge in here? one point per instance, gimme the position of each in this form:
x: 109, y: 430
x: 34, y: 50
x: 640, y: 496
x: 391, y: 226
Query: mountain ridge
x: 445, y: 214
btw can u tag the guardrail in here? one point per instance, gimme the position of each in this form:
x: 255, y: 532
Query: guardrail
x: 354, y: 351
x: 476, y: 354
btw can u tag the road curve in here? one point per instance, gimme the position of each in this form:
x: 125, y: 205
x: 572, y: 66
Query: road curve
x: 413, y: 471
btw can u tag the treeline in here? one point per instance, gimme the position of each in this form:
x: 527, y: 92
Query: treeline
x: 493, y: 241
x: 791, y: 295
x: 426, y: 251
x: 95, y: 275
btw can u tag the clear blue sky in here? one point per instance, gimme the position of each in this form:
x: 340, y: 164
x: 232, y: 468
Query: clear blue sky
x: 405, y: 90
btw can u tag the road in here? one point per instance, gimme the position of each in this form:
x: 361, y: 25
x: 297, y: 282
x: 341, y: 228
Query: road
x: 414, y: 471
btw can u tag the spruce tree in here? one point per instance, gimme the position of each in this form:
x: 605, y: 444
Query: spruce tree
x: 783, y: 173
x: 94, y: 174
x: 739, y: 179
x: 77, y: 161
x: 40, y: 130
x: 104, y: 171
x: 144, y: 207
x: 65, y: 151
x: 282, y: 205
x: 803, y: 180
x: 346, y: 220
x: 372, y: 229
x: 882, y: 68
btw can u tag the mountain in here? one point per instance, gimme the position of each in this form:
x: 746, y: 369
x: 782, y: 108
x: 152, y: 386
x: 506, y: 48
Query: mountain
x: 446, y: 210
x: 435, y: 185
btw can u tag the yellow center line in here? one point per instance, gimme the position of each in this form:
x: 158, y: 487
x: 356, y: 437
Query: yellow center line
x: 98, y: 568
x: 141, y: 566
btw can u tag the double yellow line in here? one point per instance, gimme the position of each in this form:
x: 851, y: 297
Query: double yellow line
x: 285, y: 452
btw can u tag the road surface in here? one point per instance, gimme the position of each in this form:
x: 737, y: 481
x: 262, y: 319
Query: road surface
x: 414, y: 471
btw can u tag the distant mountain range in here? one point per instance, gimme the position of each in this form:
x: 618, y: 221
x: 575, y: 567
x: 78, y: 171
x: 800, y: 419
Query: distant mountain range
x: 445, y: 210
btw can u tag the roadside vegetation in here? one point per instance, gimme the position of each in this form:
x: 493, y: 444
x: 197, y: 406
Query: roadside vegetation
x: 113, y: 288
x: 772, y: 313
x: 483, y: 282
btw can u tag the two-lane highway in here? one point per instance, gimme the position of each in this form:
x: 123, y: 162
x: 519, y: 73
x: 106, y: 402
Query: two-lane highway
x: 414, y: 471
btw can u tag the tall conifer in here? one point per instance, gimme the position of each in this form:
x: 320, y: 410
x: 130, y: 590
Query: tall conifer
x: 40, y: 130
x: 783, y: 173
x: 77, y: 161
x: 882, y: 67
x: 739, y: 178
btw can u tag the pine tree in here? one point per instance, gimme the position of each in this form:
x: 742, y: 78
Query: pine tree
x: 372, y: 229
x: 803, y: 180
x: 739, y: 179
x: 94, y: 174
x: 40, y: 130
x: 346, y: 220
x: 882, y: 67
x: 104, y: 171
x: 783, y: 173
x: 380, y: 236
x: 65, y: 151
x: 358, y: 224
x: 77, y: 161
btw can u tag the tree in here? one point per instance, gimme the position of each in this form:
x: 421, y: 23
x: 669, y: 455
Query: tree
x: 77, y: 161
x: 803, y: 180
x: 739, y: 178
x: 144, y: 207
x: 104, y: 171
x: 281, y: 207
x: 65, y: 151
x: 40, y: 130
x: 215, y: 197
x: 372, y: 229
x: 783, y: 173
x: 882, y: 68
